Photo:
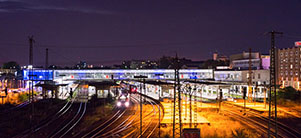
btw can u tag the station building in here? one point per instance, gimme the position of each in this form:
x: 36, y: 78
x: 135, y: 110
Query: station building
x: 241, y: 61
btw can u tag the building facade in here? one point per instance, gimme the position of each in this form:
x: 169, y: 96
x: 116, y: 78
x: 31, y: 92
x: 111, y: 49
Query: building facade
x: 118, y: 74
x: 217, y: 57
x: 241, y: 61
x: 288, y: 67
x: 259, y: 77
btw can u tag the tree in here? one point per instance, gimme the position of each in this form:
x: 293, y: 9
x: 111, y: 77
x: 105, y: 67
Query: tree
x: 288, y: 93
x: 165, y: 62
x: 210, y: 64
x: 11, y: 65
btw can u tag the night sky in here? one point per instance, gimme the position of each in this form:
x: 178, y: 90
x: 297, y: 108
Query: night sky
x: 110, y: 31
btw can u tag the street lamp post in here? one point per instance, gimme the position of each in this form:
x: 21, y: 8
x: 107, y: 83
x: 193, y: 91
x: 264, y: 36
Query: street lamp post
x: 220, y: 99
x: 159, y: 109
x: 31, y: 75
x: 62, y: 75
x: 186, y: 100
x: 141, y: 77
x: 255, y: 95
x: 140, y: 109
x: 244, y: 97
x: 265, y: 94
x: 190, y: 110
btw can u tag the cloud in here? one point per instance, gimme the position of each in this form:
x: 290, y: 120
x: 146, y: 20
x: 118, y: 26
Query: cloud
x: 4, y: 10
x: 9, y: 0
x: 19, y: 5
x: 12, y: 6
x: 71, y: 9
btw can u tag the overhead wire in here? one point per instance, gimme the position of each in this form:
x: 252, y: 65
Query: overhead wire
x: 142, y: 45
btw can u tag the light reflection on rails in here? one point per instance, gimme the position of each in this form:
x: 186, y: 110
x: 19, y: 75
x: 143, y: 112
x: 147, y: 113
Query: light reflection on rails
x: 122, y: 125
x: 72, y: 123
x: 149, y: 127
x: 96, y: 131
x: 127, y: 123
x: 261, y: 123
x: 48, y: 121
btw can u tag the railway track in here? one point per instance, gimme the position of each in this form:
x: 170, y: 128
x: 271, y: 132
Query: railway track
x: 260, y: 123
x: 130, y: 122
x: 149, y: 126
x: 285, y: 129
x: 19, y: 106
x: 125, y: 123
x: 102, y: 129
x: 122, y: 122
x: 42, y: 127
x: 10, y: 110
x: 72, y: 123
x: 48, y: 121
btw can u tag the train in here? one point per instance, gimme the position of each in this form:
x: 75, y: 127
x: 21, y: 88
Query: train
x: 132, y: 89
x: 126, y: 90
x: 123, y: 101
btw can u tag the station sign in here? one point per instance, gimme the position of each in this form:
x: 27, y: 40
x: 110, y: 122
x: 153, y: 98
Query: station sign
x: 298, y: 43
x: 191, y: 133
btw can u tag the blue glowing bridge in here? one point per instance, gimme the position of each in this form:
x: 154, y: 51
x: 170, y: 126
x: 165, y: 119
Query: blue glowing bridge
x: 117, y: 74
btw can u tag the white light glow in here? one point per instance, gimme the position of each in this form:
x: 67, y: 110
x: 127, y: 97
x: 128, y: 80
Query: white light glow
x: 29, y: 66
x: 118, y: 103
x: 127, y: 104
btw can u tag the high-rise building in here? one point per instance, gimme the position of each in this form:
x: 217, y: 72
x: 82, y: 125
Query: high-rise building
x: 215, y: 56
x: 265, y: 61
x: 288, y: 67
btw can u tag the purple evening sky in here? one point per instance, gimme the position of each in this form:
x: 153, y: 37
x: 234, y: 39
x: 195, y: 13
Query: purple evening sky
x: 110, y: 31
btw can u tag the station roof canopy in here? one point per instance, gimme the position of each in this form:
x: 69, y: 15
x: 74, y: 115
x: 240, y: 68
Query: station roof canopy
x: 50, y: 86
x: 157, y: 82
x: 102, y: 83
x: 208, y: 82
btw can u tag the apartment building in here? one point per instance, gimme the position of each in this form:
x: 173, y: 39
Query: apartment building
x: 288, y: 67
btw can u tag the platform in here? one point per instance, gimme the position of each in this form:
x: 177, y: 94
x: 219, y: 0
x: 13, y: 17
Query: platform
x: 168, y: 115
